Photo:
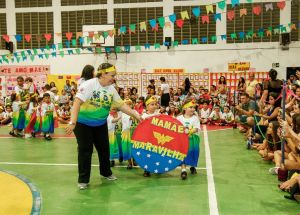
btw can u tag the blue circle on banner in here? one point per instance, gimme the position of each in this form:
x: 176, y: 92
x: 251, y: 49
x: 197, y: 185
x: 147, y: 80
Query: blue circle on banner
x: 159, y: 144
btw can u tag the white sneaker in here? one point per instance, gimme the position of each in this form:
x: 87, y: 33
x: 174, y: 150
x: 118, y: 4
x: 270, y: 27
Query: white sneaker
x: 274, y: 170
x: 82, y: 186
x: 27, y: 135
x: 111, y: 178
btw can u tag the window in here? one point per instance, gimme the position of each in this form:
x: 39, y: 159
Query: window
x: 36, y: 24
x: 3, y: 30
x: 33, y: 3
x: 127, y: 16
x: 295, y: 17
x: 2, y: 3
x: 72, y: 21
x: 246, y: 23
x: 193, y: 28
x: 82, y: 2
x: 134, y: 1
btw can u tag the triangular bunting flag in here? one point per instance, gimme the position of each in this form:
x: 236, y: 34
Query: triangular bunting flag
x: 179, y: 23
x: 68, y: 44
x: 175, y: 43
x: 155, y: 28
x: 233, y: 36
x: 156, y: 46
x: 60, y: 46
x: 41, y: 56
x: 105, y: 34
x: 195, y: 41
x: 241, y: 35
x: 69, y: 35
x: 132, y: 28
x: 78, y: 34
x: 27, y: 37
x: 217, y: 16
x: 223, y: 37
x: 152, y: 23
x: 18, y: 37
x: 46, y: 55
x: 91, y: 34
x: 213, y: 38
x: 222, y: 5
x: 185, y: 42
x: 209, y: 9
x: 62, y: 53
x: 138, y: 48
x: 249, y: 1
x: 256, y: 10
x: 32, y: 57
x: 70, y: 52
x: 281, y: 5
x: 205, y: 19
x: 204, y: 39
x: 6, y: 38
x: 118, y: 49
x: 74, y: 42
x: 161, y: 21
x: 147, y: 46
x: 172, y: 17
x: 243, y: 12
x: 196, y: 11
x: 77, y: 51
x: 48, y: 37
x: 269, y: 7
x: 53, y: 47
x: 35, y: 51
x: 184, y: 15
x: 127, y: 48
x: 230, y: 15
x: 235, y: 2
x: 143, y: 26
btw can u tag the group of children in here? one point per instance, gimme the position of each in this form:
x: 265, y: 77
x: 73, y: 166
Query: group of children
x: 121, y: 128
x: 31, y: 115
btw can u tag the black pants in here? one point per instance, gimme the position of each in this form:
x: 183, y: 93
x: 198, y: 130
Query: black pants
x: 165, y: 100
x: 88, y: 136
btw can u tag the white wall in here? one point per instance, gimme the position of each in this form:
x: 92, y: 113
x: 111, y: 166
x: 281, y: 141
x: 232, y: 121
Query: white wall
x: 192, y: 58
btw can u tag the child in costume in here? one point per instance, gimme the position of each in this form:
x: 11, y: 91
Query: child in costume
x: 18, y: 115
x: 112, y: 119
x: 31, y: 116
x: 126, y: 136
x: 151, y: 110
x: 192, y: 124
x: 47, y: 115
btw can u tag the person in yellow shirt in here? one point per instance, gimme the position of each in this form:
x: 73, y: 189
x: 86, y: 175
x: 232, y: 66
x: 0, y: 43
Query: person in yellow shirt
x: 250, y: 85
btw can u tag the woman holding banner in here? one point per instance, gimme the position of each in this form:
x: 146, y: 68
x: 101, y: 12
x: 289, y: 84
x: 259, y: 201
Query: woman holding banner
x: 91, y: 108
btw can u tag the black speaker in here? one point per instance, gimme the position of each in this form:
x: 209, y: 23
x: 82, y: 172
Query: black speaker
x: 9, y: 46
x: 168, y: 41
x: 285, y: 39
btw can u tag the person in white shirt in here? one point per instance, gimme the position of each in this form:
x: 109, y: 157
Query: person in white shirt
x: 204, y: 113
x: 191, y: 122
x: 112, y: 119
x: 19, y: 89
x: 165, y: 92
x: 227, y: 116
x: 215, y: 118
x: 91, y: 107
